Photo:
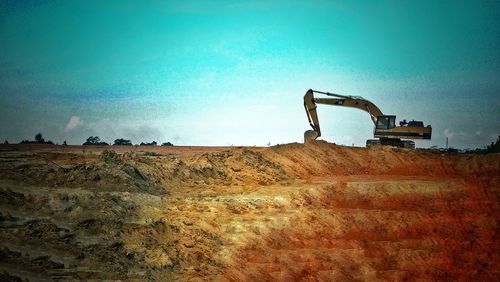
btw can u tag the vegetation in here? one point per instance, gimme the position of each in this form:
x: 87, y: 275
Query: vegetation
x: 95, y: 140
x: 122, y: 142
x: 38, y: 140
x: 494, y: 147
x: 151, y: 154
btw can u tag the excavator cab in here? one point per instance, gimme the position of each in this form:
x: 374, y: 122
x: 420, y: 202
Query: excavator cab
x: 386, y: 122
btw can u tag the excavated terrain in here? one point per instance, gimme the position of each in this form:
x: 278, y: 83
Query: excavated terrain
x: 315, y: 212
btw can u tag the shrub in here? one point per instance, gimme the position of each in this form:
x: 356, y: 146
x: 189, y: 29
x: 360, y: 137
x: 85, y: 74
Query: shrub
x: 149, y: 144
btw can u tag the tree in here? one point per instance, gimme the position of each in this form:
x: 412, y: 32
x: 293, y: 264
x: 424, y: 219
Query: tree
x: 123, y: 142
x: 95, y: 140
x: 6, y: 142
x: 92, y: 140
x: 64, y: 143
x: 167, y: 144
x: 39, y: 139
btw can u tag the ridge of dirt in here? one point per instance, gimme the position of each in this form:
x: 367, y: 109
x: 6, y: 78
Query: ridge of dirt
x: 320, y: 158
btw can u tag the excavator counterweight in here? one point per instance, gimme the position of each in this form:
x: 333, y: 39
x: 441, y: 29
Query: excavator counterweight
x: 385, y: 125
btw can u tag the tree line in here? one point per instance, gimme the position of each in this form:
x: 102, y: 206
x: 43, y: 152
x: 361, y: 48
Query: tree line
x: 92, y: 140
x: 95, y: 140
x: 38, y: 140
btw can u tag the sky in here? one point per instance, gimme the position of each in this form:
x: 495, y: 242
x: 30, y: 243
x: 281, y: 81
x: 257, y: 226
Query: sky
x: 235, y: 72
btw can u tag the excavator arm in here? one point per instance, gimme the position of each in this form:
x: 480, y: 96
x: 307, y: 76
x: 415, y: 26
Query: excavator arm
x: 310, y: 105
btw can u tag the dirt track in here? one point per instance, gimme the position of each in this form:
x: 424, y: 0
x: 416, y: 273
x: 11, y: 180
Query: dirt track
x: 290, y: 212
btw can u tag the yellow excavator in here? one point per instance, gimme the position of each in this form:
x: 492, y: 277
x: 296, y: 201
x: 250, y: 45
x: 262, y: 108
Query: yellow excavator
x: 385, y: 125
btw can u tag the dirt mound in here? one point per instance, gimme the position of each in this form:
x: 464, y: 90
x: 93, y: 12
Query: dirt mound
x: 230, y: 167
x: 151, y: 174
x: 233, y: 167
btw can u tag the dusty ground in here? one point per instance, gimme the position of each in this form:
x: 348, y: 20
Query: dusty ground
x: 315, y: 212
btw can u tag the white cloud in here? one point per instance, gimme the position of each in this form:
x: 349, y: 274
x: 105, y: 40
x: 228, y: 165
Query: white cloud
x: 74, y: 121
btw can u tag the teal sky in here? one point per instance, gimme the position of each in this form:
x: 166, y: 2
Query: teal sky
x: 234, y: 72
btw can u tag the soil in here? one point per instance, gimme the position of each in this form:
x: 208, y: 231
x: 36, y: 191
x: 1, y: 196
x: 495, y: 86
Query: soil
x: 315, y: 212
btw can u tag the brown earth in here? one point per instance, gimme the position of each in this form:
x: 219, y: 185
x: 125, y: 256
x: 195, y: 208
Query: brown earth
x: 315, y: 212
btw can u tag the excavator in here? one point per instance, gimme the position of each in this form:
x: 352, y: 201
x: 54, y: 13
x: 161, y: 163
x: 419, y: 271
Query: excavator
x: 386, y: 130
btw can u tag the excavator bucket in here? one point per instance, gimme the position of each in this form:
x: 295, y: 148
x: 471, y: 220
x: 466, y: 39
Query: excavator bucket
x: 310, y: 135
